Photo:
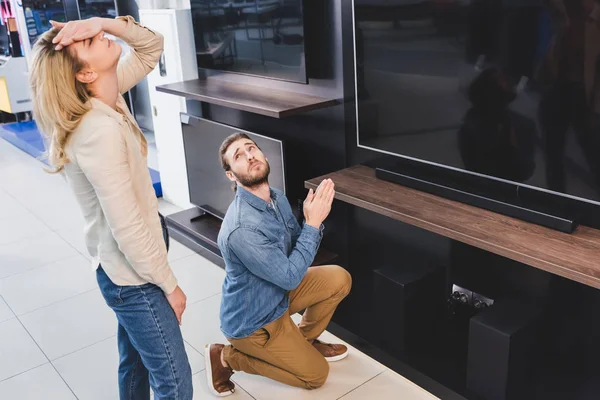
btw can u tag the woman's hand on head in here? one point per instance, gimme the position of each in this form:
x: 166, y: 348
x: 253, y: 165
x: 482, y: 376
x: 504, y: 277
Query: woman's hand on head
x: 76, y: 31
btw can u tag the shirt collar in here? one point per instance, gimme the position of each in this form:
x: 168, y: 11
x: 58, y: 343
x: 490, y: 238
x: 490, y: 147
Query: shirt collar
x: 254, y: 200
x: 99, y: 105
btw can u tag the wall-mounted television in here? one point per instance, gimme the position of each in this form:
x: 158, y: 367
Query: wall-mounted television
x: 210, y: 189
x: 501, y: 98
x: 253, y: 37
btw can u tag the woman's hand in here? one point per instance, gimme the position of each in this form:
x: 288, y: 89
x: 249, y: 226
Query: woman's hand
x: 178, y: 301
x: 76, y: 31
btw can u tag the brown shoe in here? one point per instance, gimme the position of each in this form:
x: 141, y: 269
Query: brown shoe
x: 331, y: 352
x: 217, y: 376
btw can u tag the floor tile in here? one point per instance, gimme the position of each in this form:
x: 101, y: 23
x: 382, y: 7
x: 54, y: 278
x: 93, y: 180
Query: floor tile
x: 21, y: 179
x: 39, y: 383
x: 74, y: 236
x: 177, y: 251
x: 58, y: 212
x: 389, y: 386
x: 5, y: 311
x: 31, y: 185
x: 201, y: 324
x: 43, y: 286
x: 10, y: 153
x: 195, y: 358
x: 71, y: 324
x: 201, y: 391
x: 18, y: 351
x: 98, y: 380
x: 198, y: 277
x: 344, y: 376
x: 92, y: 380
x: 18, y: 227
x: 32, y: 253
x: 9, y: 207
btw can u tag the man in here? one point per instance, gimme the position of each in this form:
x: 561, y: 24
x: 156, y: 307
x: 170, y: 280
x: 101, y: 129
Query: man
x: 267, y: 257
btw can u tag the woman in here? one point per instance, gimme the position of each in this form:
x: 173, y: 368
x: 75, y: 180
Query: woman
x: 77, y: 81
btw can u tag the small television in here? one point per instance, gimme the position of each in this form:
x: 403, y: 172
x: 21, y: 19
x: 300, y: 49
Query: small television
x: 210, y: 189
x: 472, y: 95
x: 253, y: 37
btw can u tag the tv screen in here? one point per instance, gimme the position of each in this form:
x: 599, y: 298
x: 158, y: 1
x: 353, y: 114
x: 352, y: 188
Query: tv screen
x: 209, y: 187
x: 507, y: 91
x: 254, y: 37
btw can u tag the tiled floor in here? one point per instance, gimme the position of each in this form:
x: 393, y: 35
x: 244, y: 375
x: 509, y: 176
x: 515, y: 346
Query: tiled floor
x: 57, y: 337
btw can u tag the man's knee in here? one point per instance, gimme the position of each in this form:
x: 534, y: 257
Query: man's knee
x: 321, y: 373
x: 342, y: 281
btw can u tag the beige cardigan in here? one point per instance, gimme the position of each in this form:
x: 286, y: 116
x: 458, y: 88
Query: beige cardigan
x: 109, y: 176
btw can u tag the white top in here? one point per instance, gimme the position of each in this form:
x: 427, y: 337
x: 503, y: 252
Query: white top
x: 110, y: 179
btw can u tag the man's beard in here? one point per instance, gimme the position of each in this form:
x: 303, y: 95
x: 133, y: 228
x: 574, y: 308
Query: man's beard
x: 251, y: 181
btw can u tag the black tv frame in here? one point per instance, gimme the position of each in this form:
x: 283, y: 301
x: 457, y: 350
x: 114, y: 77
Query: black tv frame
x: 559, y: 211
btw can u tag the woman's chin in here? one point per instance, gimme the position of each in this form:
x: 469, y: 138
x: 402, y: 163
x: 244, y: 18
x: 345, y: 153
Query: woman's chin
x: 117, y: 57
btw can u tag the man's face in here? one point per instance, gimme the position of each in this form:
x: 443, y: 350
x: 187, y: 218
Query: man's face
x: 248, y: 164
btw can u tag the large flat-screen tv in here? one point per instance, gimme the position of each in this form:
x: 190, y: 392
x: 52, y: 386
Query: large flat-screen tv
x: 501, y: 96
x: 253, y: 37
x: 210, y: 189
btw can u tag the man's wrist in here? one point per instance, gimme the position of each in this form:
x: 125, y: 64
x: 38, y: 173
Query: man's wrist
x: 313, y: 224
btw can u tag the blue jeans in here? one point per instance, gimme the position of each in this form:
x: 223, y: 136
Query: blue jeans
x: 151, y: 349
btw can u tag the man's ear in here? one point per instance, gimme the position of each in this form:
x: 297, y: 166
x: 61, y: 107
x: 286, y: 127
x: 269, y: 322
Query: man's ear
x: 86, y: 75
x: 230, y: 176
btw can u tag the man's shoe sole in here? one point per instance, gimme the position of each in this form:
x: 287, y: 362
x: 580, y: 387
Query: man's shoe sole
x: 338, y: 358
x: 209, y: 377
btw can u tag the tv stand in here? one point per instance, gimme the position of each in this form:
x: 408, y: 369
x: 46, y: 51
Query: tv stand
x: 510, y: 210
x: 198, y: 230
x: 573, y: 256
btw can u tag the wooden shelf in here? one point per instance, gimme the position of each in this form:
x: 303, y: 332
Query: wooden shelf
x: 251, y: 98
x: 574, y: 256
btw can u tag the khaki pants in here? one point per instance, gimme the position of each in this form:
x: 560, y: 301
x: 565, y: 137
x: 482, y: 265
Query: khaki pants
x: 283, y: 351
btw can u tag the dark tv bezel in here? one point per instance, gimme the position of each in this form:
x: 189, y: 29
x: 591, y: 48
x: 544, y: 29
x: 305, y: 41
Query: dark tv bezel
x: 186, y: 118
x: 305, y: 57
x: 539, y: 193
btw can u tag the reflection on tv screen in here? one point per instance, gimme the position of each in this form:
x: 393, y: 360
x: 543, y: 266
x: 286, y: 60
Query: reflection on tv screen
x: 254, y: 37
x: 494, y: 88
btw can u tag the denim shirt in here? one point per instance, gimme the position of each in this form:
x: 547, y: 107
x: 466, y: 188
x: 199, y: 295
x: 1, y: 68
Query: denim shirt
x: 266, y: 255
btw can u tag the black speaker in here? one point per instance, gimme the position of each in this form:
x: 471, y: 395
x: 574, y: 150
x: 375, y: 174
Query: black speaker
x: 408, y: 304
x: 503, y: 349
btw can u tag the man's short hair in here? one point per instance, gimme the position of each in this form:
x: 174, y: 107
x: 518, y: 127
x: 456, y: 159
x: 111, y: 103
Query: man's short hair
x: 225, y: 145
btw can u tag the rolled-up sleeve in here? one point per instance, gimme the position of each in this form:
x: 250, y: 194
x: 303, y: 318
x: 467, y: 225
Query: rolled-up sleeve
x: 146, y: 48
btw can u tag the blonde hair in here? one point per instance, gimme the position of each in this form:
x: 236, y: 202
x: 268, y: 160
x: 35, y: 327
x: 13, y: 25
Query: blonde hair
x: 59, y: 100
